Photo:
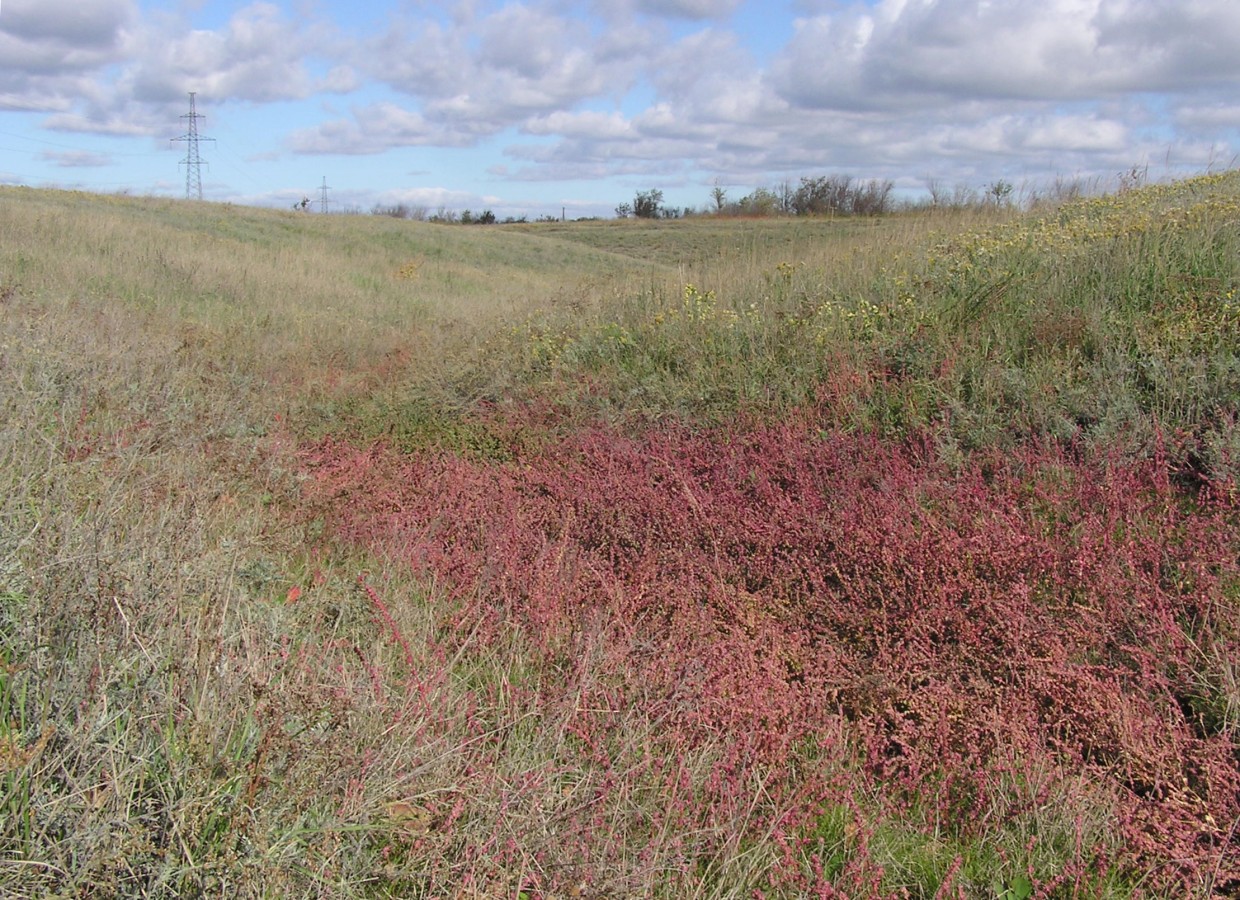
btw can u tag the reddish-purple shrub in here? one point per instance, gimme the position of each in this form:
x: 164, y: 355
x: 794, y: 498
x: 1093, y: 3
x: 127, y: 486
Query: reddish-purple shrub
x: 776, y: 586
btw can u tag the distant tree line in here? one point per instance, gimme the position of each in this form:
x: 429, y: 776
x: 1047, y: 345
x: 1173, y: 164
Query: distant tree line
x: 445, y: 216
x: 818, y: 195
x: 846, y: 196
x: 822, y: 195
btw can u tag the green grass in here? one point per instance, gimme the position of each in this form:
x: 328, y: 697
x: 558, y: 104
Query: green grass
x: 1099, y: 321
x: 701, y: 243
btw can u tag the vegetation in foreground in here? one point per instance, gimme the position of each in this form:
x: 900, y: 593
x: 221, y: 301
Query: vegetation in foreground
x: 358, y: 557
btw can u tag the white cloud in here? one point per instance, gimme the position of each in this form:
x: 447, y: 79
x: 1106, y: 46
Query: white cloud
x: 937, y: 84
x: 588, y: 124
x: 690, y: 9
x: 499, y: 68
x: 421, y: 62
x: 1171, y: 44
x: 102, y: 69
x: 68, y: 24
x: 525, y: 42
x: 24, y: 99
x: 259, y: 56
x: 905, y: 53
x: 116, y: 122
x: 476, y: 74
x: 1209, y: 116
x: 669, y: 10
x: 339, y: 80
x: 373, y: 129
x: 51, y: 48
x: 1071, y: 134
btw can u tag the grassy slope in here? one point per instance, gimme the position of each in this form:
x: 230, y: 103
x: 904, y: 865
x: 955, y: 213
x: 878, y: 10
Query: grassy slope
x: 149, y: 350
x: 184, y: 653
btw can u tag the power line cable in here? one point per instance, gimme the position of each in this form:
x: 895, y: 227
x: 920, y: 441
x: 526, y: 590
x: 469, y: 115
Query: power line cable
x: 79, y: 148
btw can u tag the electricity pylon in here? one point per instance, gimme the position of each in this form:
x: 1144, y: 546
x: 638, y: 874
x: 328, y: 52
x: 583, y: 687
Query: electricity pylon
x: 192, y: 161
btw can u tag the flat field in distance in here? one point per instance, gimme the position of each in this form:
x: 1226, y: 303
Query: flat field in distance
x: 347, y: 556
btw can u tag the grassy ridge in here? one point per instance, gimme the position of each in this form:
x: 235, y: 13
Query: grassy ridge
x: 1085, y: 322
x: 1103, y: 320
x: 224, y: 672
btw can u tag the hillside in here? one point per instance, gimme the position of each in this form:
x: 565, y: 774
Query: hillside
x: 356, y: 557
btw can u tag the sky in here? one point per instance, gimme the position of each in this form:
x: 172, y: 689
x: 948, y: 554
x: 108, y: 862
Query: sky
x: 555, y: 107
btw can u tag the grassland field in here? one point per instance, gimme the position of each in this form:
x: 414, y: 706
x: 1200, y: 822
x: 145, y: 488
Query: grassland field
x: 345, y: 556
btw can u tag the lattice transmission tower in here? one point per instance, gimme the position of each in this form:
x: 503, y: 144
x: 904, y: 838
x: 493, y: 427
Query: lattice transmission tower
x: 192, y: 161
x: 323, y: 201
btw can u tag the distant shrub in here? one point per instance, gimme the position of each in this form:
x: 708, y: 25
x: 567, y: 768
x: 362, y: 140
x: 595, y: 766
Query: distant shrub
x: 400, y: 211
x: 648, y: 204
x: 814, y: 196
x: 838, y: 194
x: 761, y: 202
x: 871, y: 198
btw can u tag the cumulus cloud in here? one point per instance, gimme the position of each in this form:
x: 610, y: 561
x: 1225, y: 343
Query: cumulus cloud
x: 902, y: 53
x: 127, y: 120
x: 22, y: 97
x: 478, y: 72
x: 690, y: 9
x: 525, y: 42
x: 1069, y: 134
x: 954, y: 87
x: 100, y: 67
x: 672, y: 10
x: 73, y: 25
x: 259, y: 56
x: 710, y: 79
x: 588, y: 124
x: 339, y: 80
x: 1170, y: 44
x: 419, y: 60
x: 50, y: 48
x: 711, y: 109
x: 373, y: 129
x: 710, y: 106
x: 1221, y: 115
x: 501, y: 66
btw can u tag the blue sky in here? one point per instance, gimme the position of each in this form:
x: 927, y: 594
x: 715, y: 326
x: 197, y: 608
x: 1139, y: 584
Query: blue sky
x: 530, y: 107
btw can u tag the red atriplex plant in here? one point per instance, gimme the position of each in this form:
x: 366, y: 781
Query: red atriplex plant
x: 788, y: 592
